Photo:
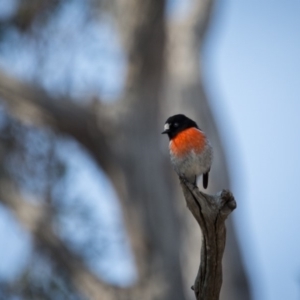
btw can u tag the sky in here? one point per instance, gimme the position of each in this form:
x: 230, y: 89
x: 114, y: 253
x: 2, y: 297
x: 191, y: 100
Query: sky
x: 252, y: 65
x: 251, y: 70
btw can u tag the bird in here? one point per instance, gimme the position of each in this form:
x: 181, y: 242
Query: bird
x: 190, y: 151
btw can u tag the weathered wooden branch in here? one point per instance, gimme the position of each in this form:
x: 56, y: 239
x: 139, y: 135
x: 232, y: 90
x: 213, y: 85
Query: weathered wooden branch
x: 210, y: 213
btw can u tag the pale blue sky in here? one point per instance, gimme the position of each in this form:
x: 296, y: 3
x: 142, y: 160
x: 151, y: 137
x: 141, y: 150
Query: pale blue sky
x: 252, y: 70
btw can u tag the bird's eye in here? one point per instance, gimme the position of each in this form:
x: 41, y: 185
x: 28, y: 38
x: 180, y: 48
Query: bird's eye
x: 175, y: 124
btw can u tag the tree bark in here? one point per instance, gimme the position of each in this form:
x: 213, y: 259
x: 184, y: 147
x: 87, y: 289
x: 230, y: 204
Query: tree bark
x: 210, y: 213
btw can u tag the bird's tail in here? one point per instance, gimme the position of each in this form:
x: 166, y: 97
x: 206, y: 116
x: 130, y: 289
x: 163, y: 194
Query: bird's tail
x: 205, y: 180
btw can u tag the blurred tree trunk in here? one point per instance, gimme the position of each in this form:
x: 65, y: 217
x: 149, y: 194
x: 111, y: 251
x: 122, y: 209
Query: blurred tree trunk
x: 164, y: 78
x: 185, y: 93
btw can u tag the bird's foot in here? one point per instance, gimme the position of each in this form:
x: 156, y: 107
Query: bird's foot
x: 185, y: 180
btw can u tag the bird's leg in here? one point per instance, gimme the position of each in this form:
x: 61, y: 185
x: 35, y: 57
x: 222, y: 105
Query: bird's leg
x: 183, y: 178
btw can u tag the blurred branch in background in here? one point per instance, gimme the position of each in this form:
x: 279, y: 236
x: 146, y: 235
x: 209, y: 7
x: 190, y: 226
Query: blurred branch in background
x: 121, y: 136
x: 36, y: 218
x: 32, y: 105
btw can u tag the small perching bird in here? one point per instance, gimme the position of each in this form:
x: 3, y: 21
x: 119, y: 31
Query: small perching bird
x: 190, y: 151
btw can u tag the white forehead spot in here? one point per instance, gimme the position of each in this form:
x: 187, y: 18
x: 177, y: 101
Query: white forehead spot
x: 167, y: 126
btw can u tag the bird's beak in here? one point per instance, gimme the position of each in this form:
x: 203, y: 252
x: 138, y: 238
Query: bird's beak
x: 166, y: 128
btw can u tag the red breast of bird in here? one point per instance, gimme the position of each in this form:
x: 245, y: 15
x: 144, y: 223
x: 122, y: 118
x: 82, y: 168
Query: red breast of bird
x: 191, y: 153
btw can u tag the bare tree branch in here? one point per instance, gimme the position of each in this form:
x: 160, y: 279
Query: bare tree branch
x: 89, y: 126
x: 35, y: 218
x: 210, y: 213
